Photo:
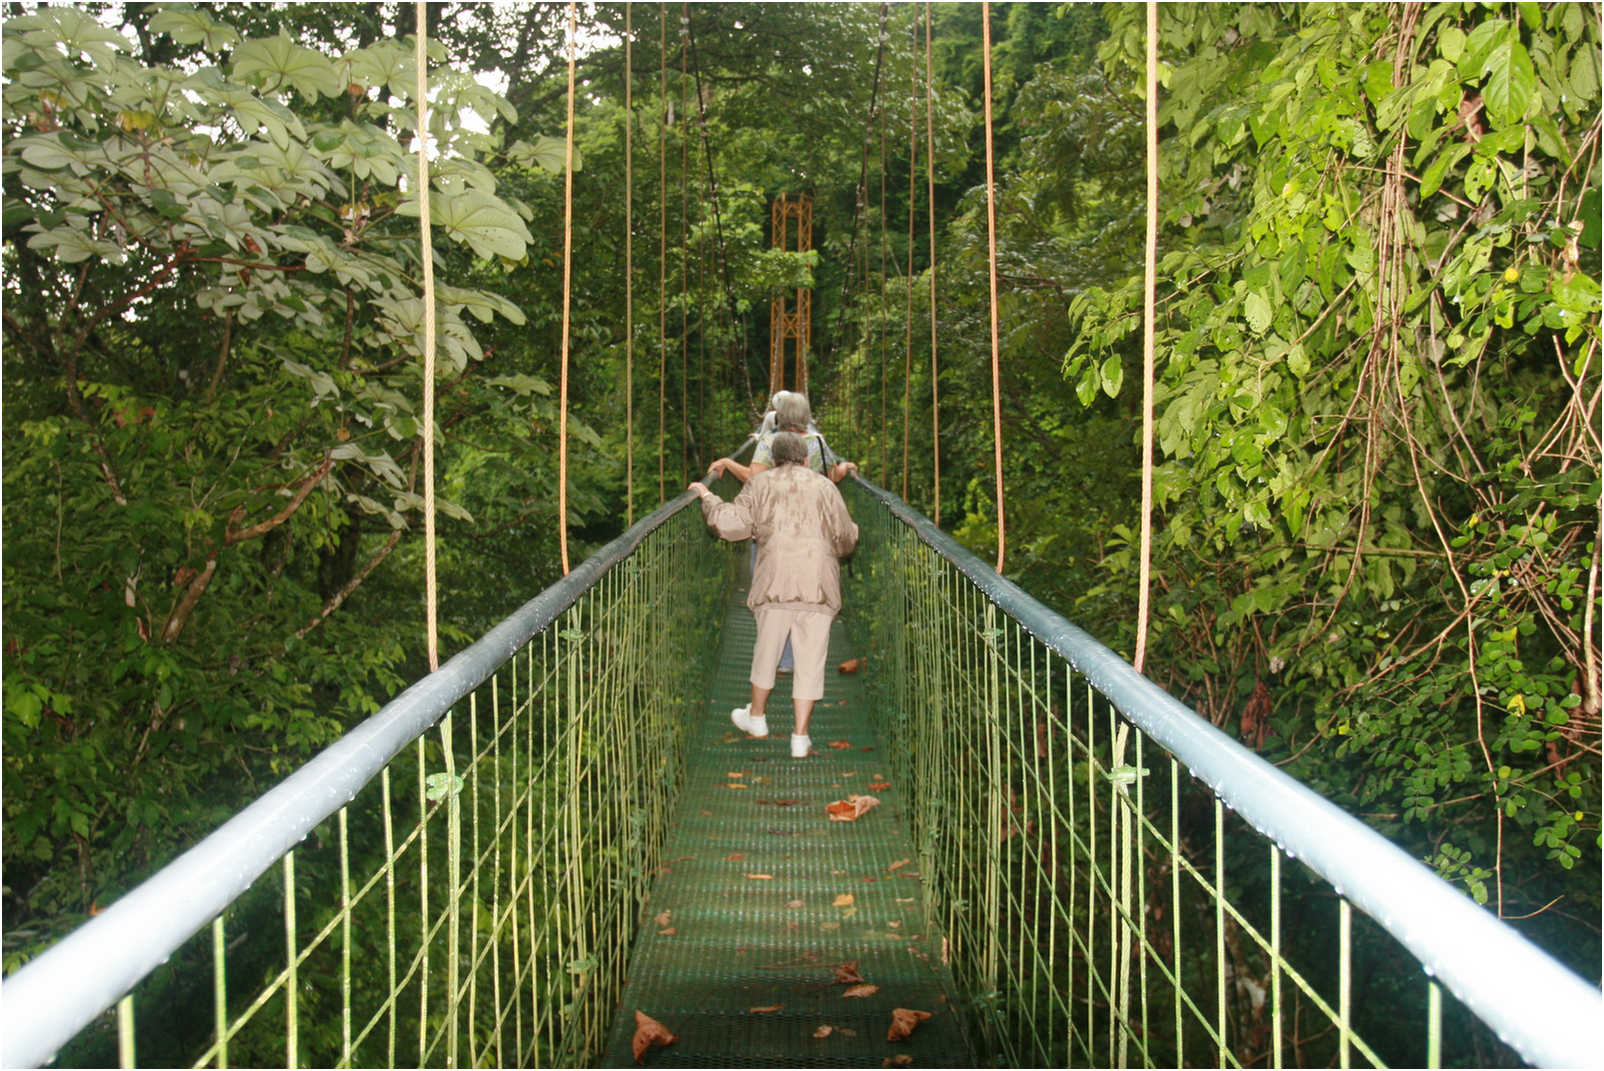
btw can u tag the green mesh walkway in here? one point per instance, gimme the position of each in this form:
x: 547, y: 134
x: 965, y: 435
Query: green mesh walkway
x: 722, y: 939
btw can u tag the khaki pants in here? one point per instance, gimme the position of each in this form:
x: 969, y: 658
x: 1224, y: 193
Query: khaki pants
x: 809, y: 631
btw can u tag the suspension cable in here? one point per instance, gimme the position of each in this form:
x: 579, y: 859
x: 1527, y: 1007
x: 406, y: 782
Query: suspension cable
x: 431, y: 589
x: 1149, y: 287
x: 885, y: 464
x: 662, y: 246
x: 684, y: 246
x: 629, y: 264
x: 913, y: 170
x: 568, y: 252
x: 930, y: 213
x: 991, y: 255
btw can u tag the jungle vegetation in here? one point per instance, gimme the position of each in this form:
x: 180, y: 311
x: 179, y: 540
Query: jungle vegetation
x: 1377, y: 525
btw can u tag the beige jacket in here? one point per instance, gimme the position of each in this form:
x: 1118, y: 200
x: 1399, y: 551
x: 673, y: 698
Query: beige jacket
x: 802, y: 528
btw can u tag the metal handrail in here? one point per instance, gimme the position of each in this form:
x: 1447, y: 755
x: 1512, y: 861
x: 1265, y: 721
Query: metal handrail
x: 1536, y: 1005
x: 103, y: 959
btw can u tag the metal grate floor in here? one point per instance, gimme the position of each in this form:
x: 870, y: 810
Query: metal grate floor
x: 762, y: 896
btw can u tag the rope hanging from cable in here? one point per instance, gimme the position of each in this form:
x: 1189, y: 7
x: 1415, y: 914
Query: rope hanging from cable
x: 991, y: 257
x: 426, y: 241
x: 568, y: 251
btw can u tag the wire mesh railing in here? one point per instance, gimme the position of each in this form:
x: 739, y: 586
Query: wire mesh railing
x: 1122, y: 884
x: 454, y: 883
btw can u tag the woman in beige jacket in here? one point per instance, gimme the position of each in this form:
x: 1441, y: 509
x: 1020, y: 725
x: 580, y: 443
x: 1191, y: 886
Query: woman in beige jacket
x: 802, y: 529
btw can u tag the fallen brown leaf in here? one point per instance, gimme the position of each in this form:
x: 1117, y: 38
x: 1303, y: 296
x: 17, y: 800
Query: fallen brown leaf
x: 824, y: 1031
x: 877, y: 786
x: 761, y: 877
x: 869, y: 879
x: 736, y: 784
x: 793, y: 903
x: 851, y: 665
x: 839, y: 745
x: 765, y: 1009
x: 649, y: 1032
x: 851, y: 809
x: 903, y: 1020
x: 901, y: 1059
x: 734, y: 857
x: 864, y: 990
x: 899, y: 864
x: 847, y: 973
x: 733, y: 774
x: 843, y: 900
x: 663, y: 917
x: 670, y: 932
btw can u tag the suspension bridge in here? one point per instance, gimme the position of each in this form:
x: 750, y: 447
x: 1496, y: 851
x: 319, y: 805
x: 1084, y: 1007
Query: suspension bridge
x: 1009, y: 849
x: 557, y: 830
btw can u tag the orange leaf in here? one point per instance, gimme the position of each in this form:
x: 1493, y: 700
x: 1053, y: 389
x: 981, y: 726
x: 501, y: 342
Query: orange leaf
x: 871, y: 879
x: 862, y: 991
x: 670, y: 932
x: 649, y: 1032
x: 736, y: 784
x: 900, y: 863
x: 847, y: 973
x: 734, y: 857
x: 850, y: 809
x: 824, y: 1031
x: 735, y: 773
x: 903, y: 1020
x: 843, y: 900
x: 761, y: 877
x: 662, y: 918
x: 765, y: 1009
x: 839, y: 745
x: 878, y: 786
x: 901, y: 1059
x: 793, y: 903
x: 851, y: 665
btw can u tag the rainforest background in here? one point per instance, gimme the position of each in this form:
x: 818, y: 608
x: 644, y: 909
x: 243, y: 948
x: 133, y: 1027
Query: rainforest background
x: 1376, y: 554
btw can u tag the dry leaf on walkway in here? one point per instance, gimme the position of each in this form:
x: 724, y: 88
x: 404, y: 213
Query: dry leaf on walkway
x: 901, y: 1059
x: 736, y: 784
x: 862, y: 991
x: 734, y: 774
x: 847, y: 973
x: 761, y: 877
x: 824, y: 1031
x: 649, y: 1032
x: 850, y: 809
x: 662, y: 919
x: 899, y: 864
x: 793, y: 903
x: 839, y: 745
x: 843, y: 900
x: 903, y: 1020
x: 765, y: 1009
x: 878, y: 786
x: 670, y: 932
x: 734, y: 857
x: 851, y: 665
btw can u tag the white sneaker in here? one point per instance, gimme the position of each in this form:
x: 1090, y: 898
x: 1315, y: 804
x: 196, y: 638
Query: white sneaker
x: 800, y: 745
x: 758, y: 726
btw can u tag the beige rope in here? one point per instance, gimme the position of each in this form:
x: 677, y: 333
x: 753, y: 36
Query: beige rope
x: 930, y: 212
x: 907, y: 351
x: 991, y: 251
x: 629, y: 265
x: 1149, y: 287
x: 568, y: 251
x: 662, y: 247
x: 431, y: 591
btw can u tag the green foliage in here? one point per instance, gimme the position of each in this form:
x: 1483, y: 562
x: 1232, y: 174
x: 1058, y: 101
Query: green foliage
x: 1378, y: 336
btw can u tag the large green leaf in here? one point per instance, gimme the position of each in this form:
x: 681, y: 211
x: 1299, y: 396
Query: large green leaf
x: 278, y: 62
x: 485, y: 223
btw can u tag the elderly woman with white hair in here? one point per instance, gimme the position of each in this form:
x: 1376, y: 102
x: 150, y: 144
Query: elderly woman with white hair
x: 802, y: 529
x: 790, y: 412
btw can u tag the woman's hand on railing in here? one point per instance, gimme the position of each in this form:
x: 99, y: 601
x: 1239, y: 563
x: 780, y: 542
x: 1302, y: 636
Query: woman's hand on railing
x: 840, y: 470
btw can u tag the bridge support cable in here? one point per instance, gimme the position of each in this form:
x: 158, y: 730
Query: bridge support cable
x: 991, y: 262
x: 426, y: 255
x: 1149, y: 287
x: 568, y: 270
x: 629, y: 263
x: 1110, y: 813
x: 930, y: 213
